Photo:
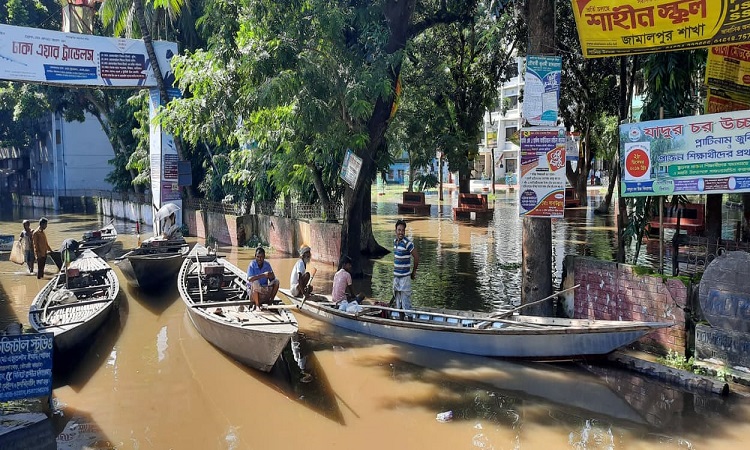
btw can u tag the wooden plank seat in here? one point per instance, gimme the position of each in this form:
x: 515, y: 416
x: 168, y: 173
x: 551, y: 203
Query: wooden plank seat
x: 413, y: 203
x: 472, y: 203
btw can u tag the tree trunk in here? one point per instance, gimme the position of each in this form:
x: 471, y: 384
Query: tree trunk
x: 536, y: 277
x: 149, y: 43
x: 713, y: 217
x: 613, y: 177
x: 492, y: 152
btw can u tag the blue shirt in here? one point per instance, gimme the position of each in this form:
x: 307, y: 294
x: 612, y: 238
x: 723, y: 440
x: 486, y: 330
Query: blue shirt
x: 253, y: 270
x: 402, y: 256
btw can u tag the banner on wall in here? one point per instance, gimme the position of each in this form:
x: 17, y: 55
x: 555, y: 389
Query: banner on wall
x: 629, y: 27
x: 707, y: 154
x: 542, y: 183
x: 164, y: 163
x: 542, y: 89
x: 53, y: 57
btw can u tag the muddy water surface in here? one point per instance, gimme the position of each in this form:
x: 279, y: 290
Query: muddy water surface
x: 150, y: 381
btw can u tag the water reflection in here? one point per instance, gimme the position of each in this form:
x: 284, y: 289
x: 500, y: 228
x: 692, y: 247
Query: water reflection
x: 154, y: 382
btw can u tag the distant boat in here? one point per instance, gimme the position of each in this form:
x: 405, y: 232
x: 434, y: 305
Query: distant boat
x: 213, y: 290
x: 99, y: 241
x: 483, y: 334
x: 75, y: 303
x: 154, y: 264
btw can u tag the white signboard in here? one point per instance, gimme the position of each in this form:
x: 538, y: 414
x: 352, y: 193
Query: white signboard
x: 542, y: 89
x: 350, y: 168
x: 46, y: 56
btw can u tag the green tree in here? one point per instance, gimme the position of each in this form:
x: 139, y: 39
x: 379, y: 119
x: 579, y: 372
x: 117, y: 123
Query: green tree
x: 307, y: 80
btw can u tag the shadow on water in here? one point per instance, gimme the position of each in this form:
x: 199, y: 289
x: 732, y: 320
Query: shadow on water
x: 303, y: 379
x: 76, y: 429
x: 584, y: 398
x: 76, y: 366
x: 286, y: 377
x: 156, y: 300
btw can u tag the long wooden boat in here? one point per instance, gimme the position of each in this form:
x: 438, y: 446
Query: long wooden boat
x: 214, y: 293
x: 154, y: 264
x: 483, y: 334
x: 99, y: 241
x: 74, y: 304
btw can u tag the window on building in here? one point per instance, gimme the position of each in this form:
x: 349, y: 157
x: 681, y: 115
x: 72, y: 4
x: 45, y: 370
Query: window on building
x: 511, y: 102
x: 512, y: 69
x: 509, y: 132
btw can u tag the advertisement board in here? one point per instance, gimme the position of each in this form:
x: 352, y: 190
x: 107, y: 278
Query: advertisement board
x: 46, y: 56
x: 628, y: 27
x: 542, y: 89
x: 542, y: 183
x: 708, y: 154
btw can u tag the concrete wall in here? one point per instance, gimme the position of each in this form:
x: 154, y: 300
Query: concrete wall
x: 614, y: 291
x: 85, y: 152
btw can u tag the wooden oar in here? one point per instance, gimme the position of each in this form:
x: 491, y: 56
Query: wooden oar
x: 510, y: 312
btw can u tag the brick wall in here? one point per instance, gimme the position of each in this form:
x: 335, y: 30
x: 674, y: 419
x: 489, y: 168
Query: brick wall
x: 614, y: 291
x: 284, y: 235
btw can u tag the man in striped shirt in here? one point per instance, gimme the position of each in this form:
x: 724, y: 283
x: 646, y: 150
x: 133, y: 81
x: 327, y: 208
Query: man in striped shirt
x: 403, y: 270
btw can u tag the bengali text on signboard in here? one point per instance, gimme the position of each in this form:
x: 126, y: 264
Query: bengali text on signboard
x: 25, y: 366
x: 542, y: 89
x: 54, y: 57
x: 707, y: 154
x: 627, y: 27
x: 542, y: 183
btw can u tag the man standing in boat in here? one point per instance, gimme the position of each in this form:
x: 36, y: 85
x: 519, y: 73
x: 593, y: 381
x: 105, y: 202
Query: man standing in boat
x: 403, y: 270
x: 261, y: 281
x: 300, y: 277
x: 41, y: 246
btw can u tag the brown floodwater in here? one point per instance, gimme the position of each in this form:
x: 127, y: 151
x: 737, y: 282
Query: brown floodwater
x: 150, y: 381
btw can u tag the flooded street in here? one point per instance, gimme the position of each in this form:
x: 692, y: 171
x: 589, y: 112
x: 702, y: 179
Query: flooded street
x: 150, y: 381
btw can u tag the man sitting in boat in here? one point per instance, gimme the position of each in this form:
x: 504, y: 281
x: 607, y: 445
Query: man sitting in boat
x: 261, y: 281
x: 300, y: 277
x: 342, y: 293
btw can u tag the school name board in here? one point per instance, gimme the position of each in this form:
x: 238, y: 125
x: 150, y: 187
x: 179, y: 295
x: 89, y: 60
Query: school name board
x: 629, y: 27
x: 542, y: 183
x: 707, y: 154
x: 25, y: 366
x: 53, y: 57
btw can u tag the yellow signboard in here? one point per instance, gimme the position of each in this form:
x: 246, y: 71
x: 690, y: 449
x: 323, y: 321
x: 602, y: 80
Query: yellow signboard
x: 628, y: 27
x: 728, y: 70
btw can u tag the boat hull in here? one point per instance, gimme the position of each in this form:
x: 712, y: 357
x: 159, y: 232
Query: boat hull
x: 75, y: 322
x: 151, y: 271
x: 223, y: 316
x: 568, y: 339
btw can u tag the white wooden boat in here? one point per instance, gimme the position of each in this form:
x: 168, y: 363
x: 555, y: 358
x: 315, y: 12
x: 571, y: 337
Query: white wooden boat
x: 74, y: 304
x: 154, y: 264
x: 214, y: 293
x: 478, y: 333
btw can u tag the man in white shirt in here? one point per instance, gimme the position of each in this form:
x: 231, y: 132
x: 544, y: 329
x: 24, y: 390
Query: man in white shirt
x: 300, y: 277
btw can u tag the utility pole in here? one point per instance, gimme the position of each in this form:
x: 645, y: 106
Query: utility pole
x: 536, y: 276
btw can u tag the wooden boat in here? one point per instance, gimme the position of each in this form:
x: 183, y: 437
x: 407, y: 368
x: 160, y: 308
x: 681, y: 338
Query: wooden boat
x: 478, y: 333
x: 99, y: 241
x: 75, y: 303
x: 154, y: 264
x: 214, y: 293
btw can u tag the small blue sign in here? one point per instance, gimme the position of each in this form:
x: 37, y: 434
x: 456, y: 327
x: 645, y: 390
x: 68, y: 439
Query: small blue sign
x: 25, y: 366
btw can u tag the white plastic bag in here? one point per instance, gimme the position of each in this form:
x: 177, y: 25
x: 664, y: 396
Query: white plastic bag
x: 16, y: 255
